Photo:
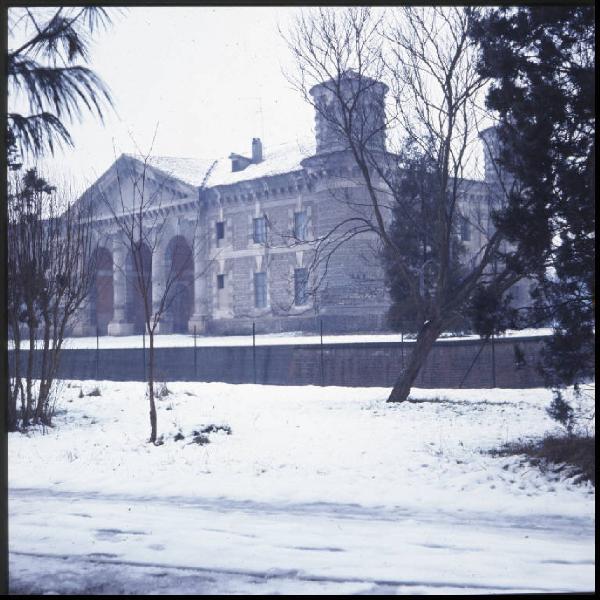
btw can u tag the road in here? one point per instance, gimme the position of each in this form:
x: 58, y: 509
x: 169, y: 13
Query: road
x: 68, y: 542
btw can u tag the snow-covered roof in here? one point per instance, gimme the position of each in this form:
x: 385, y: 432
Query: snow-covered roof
x: 278, y: 159
x: 188, y: 170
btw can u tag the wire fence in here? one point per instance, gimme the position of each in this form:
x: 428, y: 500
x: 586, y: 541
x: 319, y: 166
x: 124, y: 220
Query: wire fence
x: 322, y: 361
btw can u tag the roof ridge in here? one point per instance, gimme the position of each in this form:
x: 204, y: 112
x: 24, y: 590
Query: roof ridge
x: 166, y: 156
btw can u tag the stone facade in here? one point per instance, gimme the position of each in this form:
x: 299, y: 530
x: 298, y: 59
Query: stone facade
x: 239, y: 234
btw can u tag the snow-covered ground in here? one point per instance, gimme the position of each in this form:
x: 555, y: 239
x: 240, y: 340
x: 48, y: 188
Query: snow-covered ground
x: 315, y: 490
x: 271, y: 339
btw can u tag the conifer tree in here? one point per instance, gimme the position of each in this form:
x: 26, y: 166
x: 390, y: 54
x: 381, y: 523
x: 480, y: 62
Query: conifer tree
x: 541, y: 61
x: 48, y: 84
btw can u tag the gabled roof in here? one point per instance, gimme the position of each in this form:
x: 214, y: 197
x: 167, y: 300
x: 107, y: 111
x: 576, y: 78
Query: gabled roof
x: 279, y: 159
x: 194, y: 172
x: 191, y: 171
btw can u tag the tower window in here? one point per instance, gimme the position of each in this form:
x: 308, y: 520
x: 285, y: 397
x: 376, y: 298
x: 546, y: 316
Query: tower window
x: 260, y: 230
x: 300, y: 287
x: 300, y: 225
x: 465, y: 230
x: 220, y: 281
x: 220, y: 230
x: 260, y: 290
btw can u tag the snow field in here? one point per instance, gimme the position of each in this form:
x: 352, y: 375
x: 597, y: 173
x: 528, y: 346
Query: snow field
x: 301, y: 444
x: 316, y: 490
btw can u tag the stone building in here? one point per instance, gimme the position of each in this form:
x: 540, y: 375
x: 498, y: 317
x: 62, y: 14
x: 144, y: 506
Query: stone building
x: 239, y: 234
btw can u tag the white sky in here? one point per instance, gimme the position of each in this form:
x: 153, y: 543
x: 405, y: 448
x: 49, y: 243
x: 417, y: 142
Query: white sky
x: 210, y: 79
x: 202, y: 74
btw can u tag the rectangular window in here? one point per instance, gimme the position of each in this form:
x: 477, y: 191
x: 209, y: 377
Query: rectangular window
x: 260, y: 290
x: 300, y: 225
x: 300, y: 287
x: 220, y: 282
x: 260, y: 230
x: 220, y: 230
x: 465, y: 230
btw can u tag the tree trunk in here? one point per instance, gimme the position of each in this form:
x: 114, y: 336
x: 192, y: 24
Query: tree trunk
x: 16, y: 378
x: 29, y: 376
x: 44, y: 390
x: 423, y: 345
x: 151, y: 389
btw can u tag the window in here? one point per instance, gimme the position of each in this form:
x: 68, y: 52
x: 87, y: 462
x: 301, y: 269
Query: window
x: 300, y: 225
x: 220, y: 282
x: 260, y: 230
x: 300, y: 287
x: 220, y: 230
x: 465, y: 230
x: 260, y: 290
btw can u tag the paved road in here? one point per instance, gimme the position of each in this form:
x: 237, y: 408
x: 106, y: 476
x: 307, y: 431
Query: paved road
x: 69, y: 542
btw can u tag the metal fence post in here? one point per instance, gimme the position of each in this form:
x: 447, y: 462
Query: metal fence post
x: 254, y: 350
x: 195, y: 356
x: 493, y: 362
x: 97, y: 352
x: 485, y: 341
x: 322, y: 369
x: 402, y: 347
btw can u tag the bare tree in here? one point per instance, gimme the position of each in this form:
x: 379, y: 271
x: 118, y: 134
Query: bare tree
x: 138, y: 212
x: 347, y: 60
x: 50, y: 270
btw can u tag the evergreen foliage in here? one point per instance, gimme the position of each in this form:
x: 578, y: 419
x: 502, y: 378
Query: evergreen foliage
x: 42, y: 73
x: 560, y: 410
x: 490, y: 313
x: 415, y: 222
x: 542, y: 62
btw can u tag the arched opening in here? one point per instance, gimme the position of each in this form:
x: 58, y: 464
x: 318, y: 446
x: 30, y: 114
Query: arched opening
x: 180, y: 270
x: 134, y: 307
x: 102, y: 290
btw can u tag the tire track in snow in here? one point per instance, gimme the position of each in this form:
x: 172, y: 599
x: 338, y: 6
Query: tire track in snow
x: 292, y: 575
x: 567, y: 525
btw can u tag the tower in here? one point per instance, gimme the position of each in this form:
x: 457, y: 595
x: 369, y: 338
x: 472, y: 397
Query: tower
x: 360, y: 97
x: 496, y: 177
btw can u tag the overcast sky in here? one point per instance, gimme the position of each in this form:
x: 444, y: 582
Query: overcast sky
x: 206, y: 80
x: 210, y: 78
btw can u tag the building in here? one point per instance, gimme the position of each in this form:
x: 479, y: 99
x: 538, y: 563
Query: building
x: 239, y: 234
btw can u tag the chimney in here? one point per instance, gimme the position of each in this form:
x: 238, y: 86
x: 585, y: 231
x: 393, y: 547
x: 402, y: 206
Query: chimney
x: 257, y: 154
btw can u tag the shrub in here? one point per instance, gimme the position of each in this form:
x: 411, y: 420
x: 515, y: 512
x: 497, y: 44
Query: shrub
x: 560, y: 410
x: 200, y: 439
x: 215, y: 429
x: 162, y: 391
x: 575, y: 453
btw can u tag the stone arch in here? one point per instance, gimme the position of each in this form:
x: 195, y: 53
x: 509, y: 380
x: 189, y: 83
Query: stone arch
x: 134, y: 303
x: 179, y: 264
x: 102, y: 298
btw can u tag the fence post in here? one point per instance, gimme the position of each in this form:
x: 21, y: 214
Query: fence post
x: 97, y: 352
x: 144, y: 351
x: 485, y: 341
x: 254, y: 350
x: 493, y: 362
x: 322, y: 369
x: 402, y: 347
x: 195, y: 356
